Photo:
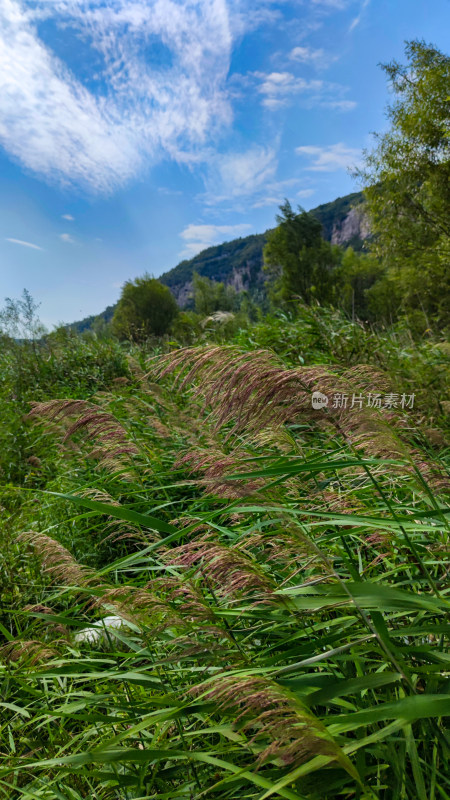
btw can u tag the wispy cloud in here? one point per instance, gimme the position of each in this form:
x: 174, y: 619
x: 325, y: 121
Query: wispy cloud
x: 339, y: 5
x: 139, y: 112
x: 340, y: 105
x: 330, y: 157
x: 25, y: 244
x: 68, y: 217
x: 276, y: 199
x: 276, y: 191
x: 238, y: 175
x: 355, y: 22
x: 67, y: 238
x: 199, y: 237
x: 279, y: 88
x: 264, y: 202
x: 309, y: 55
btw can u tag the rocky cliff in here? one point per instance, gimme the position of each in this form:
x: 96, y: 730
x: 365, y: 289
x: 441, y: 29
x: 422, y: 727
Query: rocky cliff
x: 354, y: 226
x: 239, y: 263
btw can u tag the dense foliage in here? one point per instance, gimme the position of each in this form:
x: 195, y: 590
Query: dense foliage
x: 211, y: 296
x: 145, y: 308
x: 219, y: 262
x: 407, y: 180
x: 242, y: 255
x: 306, y: 260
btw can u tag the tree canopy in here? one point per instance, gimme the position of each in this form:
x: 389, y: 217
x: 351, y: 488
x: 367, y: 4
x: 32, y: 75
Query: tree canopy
x: 145, y: 308
x: 211, y: 296
x: 407, y: 180
x: 298, y: 258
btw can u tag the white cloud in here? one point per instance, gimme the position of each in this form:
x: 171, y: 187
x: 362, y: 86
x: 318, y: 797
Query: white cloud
x: 308, y: 55
x: 66, y: 237
x: 278, y: 88
x: 240, y: 174
x: 68, y: 217
x: 102, y: 137
x: 199, y: 237
x: 25, y: 244
x: 276, y: 191
x: 267, y: 201
x: 340, y: 105
x: 330, y: 157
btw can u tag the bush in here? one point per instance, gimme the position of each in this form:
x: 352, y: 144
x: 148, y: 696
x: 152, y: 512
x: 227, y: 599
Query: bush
x: 145, y: 308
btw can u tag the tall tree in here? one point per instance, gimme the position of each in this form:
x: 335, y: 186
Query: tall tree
x: 297, y: 257
x: 146, y: 307
x: 407, y: 178
x: 355, y: 276
x: 210, y: 296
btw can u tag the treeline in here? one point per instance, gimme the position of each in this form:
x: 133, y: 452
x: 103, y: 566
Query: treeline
x: 405, y: 269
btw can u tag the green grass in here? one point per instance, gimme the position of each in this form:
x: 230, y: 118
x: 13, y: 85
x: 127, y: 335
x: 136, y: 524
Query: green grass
x: 282, y: 575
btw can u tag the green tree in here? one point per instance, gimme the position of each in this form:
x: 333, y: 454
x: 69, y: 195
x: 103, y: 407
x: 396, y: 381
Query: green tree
x: 355, y: 276
x: 407, y: 179
x: 297, y: 258
x: 21, y: 333
x: 145, y: 308
x: 19, y: 319
x: 211, y: 296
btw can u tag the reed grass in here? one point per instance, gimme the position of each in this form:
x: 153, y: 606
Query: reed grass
x: 282, y: 579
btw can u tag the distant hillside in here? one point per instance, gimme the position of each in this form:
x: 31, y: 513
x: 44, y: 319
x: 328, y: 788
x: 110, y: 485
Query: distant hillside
x: 343, y: 220
x: 239, y: 263
x: 87, y: 323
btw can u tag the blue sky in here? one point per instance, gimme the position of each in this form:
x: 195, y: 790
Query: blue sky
x: 134, y: 133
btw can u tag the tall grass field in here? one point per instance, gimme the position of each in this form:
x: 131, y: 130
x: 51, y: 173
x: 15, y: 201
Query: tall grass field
x: 211, y: 588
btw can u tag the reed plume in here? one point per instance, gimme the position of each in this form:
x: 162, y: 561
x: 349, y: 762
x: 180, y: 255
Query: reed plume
x: 230, y: 571
x: 31, y: 651
x: 270, y: 717
x: 214, y: 464
x: 57, y: 562
x: 114, y: 449
x: 249, y: 392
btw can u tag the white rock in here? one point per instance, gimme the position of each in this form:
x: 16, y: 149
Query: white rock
x: 99, y: 631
